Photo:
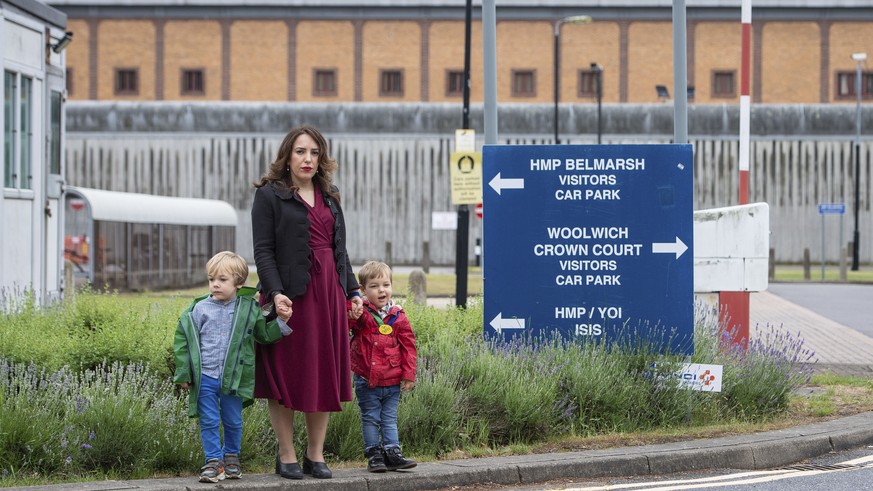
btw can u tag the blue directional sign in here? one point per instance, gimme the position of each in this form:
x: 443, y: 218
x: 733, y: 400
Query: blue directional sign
x: 831, y: 208
x: 589, y: 242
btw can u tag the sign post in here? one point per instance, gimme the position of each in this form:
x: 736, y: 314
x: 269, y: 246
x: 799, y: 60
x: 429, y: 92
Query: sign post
x: 590, y: 242
x: 830, y: 209
x: 465, y: 172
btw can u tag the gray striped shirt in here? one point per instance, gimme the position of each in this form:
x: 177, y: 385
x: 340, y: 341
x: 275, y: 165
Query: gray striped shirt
x: 214, y: 320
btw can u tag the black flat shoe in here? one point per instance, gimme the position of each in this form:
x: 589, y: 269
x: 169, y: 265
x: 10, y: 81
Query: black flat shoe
x: 318, y: 470
x: 288, y: 471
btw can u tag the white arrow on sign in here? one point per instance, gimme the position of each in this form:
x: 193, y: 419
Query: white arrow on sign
x: 677, y: 247
x: 498, y: 184
x: 499, y: 323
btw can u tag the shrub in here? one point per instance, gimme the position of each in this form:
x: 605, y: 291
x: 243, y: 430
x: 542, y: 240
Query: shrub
x: 85, y: 389
x: 89, y: 330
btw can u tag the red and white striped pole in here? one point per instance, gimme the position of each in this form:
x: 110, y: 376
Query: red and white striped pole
x: 744, y: 101
x: 734, y: 306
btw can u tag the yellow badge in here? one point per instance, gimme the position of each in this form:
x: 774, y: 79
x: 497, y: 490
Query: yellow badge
x: 385, y: 329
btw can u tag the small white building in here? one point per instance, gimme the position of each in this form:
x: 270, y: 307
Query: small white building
x: 135, y: 242
x: 32, y: 41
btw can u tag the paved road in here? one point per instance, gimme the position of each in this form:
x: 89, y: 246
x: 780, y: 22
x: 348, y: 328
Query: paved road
x: 848, y: 304
x: 837, y: 471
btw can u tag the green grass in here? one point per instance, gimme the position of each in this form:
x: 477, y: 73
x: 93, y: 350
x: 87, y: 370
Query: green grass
x: 438, y: 285
x: 835, y: 379
x: 442, y: 285
x: 795, y: 273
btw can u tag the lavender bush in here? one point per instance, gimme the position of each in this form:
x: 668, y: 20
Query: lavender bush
x: 758, y: 383
x: 115, y: 417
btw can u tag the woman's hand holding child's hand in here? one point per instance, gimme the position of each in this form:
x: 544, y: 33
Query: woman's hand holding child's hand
x: 357, y: 306
x: 283, y: 308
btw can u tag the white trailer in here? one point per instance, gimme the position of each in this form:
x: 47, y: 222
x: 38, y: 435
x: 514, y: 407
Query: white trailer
x: 32, y: 41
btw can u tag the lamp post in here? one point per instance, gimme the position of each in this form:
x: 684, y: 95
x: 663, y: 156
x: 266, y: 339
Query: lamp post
x: 598, y: 79
x: 575, y: 19
x: 858, y: 57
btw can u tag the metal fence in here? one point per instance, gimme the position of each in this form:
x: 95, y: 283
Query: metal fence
x: 394, y: 175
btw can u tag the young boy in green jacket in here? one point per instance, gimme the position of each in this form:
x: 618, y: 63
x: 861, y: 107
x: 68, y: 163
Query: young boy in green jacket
x: 215, y: 356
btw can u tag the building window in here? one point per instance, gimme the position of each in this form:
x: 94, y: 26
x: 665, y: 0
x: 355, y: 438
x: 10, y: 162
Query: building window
x: 455, y: 83
x: 324, y: 82
x: 524, y: 83
x: 587, y: 83
x: 126, y: 81
x: 17, y: 130
x: 391, y: 83
x: 192, y: 81
x: 68, y: 79
x: 54, y: 153
x: 723, y: 83
x: 846, y: 85
x: 9, y: 90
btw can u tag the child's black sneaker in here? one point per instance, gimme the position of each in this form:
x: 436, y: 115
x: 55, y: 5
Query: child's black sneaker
x: 375, y: 461
x: 232, y: 469
x: 394, y: 460
x: 213, y: 471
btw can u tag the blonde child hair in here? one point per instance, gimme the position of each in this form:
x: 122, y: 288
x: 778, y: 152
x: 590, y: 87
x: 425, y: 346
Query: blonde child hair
x: 373, y: 269
x: 231, y: 263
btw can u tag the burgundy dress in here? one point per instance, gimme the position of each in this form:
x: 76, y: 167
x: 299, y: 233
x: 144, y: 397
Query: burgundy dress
x: 309, y: 369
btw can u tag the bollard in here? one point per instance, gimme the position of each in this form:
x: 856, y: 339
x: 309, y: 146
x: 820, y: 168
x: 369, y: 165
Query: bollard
x: 478, y: 251
x: 771, y: 268
x: 388, y: 258
x: 843, y: 274
x: 425, y: 256
x: 418, y: 287
x: 806, y: 273
x: 69, y: 286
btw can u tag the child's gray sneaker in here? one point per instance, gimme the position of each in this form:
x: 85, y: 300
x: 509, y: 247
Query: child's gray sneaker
x: 232, y: 468
x: 213, y: 471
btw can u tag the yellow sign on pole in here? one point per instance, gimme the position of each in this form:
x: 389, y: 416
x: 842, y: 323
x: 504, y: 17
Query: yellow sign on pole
x: 465, y: 171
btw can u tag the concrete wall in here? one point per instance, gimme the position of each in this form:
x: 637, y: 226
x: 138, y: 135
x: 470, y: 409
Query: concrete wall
x: 393, y: 160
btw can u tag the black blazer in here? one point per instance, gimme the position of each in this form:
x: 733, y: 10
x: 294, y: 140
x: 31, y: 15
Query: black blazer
x: 282, y: 258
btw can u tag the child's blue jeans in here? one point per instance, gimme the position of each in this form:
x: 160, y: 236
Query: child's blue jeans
x: 216, y: 409
x: 378, y: 412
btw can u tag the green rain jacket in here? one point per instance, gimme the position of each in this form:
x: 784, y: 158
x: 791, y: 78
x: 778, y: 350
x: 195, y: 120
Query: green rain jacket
x: 238, y: 378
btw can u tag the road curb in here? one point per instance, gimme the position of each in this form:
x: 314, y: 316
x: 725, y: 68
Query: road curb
x: 754, y: 451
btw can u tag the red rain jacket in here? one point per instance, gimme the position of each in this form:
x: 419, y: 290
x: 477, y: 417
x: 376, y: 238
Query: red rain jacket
x: 383, y: 360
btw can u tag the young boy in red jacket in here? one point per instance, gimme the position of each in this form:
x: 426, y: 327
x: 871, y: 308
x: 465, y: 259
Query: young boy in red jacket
x: 383, y: 361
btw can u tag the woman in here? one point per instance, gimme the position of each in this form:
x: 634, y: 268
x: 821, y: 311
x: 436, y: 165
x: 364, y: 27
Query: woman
x: 299, y: 240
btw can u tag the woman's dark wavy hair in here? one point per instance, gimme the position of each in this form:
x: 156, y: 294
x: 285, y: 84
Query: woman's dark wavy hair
x: 279, y: 173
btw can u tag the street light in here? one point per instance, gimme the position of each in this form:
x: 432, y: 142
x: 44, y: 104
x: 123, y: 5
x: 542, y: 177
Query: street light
x: 575, y: 19
x: 598, y: 76
x: 858, y: 57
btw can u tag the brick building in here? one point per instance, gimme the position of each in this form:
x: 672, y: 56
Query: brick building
x: 412, y: 50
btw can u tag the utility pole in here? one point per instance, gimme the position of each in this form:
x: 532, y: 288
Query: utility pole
x: 463, y: 231
x: 856, y: 238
